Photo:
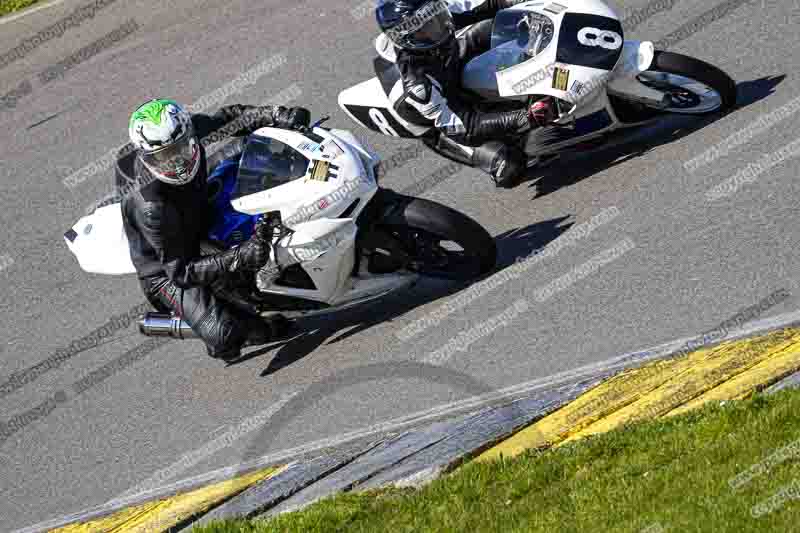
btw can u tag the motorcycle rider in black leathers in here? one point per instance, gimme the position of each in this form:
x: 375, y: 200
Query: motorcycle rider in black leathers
x: 431, y: 59
x: 166, y: 214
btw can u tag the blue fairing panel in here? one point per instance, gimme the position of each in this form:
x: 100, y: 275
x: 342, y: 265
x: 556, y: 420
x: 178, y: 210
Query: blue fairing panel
x: 229, y: 227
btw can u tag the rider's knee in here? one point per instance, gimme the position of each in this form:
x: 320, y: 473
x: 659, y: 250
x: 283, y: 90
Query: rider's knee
x: 222, y: 335
x: 499, y: 160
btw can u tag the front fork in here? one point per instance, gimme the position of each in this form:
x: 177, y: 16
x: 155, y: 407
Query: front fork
x: 636, y: 57
x: 376, y: 249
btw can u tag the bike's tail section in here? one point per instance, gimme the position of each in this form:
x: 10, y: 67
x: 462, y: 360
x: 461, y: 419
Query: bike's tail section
x: 99, y: 242
x: 368, y: 105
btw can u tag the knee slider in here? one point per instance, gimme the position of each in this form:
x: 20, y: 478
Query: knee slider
x: 221, y: 334
x: 499, y: 160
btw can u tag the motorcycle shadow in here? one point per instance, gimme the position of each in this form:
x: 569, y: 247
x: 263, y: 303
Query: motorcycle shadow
x: 623, y: 146
x: 314, y: 332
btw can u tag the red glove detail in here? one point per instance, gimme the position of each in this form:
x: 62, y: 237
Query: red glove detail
x: 542, y: 112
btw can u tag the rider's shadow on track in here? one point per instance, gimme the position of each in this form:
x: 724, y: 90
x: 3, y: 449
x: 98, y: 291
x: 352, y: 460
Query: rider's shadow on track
x: 575, y: 167
x: 316, y: 331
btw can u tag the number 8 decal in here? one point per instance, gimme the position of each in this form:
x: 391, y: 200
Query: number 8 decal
x: 380, y: 121
x: 594, y: 37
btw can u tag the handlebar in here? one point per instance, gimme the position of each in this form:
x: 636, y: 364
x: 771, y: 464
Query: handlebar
x: 275, y: 220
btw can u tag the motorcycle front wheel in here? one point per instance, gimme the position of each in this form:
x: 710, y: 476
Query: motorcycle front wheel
x: 694, y: 87
x: 442, y: 242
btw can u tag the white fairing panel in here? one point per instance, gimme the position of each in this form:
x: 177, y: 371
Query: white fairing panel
x: 100, y: 243
x: 307, y: 199
x: 362, y: 147
x: 326, y: 250
x: 586, y: 34
x: 368, y: 105
x: 636, y: 58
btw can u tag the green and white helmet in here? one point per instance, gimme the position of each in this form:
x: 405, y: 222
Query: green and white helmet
x: 162, y: 131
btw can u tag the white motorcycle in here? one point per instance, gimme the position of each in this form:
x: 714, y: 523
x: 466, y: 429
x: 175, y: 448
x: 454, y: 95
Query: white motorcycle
x: 572, y: 50
x: 343, y: 240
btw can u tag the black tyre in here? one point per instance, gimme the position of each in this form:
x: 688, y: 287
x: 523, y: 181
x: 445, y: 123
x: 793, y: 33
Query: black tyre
x: 441, y: 241
x: 695, y: 87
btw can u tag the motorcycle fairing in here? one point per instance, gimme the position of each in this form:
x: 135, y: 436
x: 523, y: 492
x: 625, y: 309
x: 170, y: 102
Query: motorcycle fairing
x: 99, y: 242
x: 229, y: 227
x: 368, y: 104
x: 564, y: 67
x: 307, y: 192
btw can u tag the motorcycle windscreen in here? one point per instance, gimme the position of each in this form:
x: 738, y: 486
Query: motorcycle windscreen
x: 267, y: 163
x: 526, y: 35
x: 563, y: 56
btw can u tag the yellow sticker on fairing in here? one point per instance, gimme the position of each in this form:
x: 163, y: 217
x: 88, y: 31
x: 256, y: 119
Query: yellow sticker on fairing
x: 320, y: 171
x: 560, y: 79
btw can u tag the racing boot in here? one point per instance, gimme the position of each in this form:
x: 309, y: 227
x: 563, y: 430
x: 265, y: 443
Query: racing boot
x: 505, y: 164
x: 502, y: 162
x: 260, y: 331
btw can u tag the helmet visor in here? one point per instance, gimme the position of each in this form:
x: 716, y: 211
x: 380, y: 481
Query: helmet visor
x: 428, y: 27
x: 177, y: 161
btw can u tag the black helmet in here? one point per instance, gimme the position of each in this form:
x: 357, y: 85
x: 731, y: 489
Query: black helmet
x: 415, y: 24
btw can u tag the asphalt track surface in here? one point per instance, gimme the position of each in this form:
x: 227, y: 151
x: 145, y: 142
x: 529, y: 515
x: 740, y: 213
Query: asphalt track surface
x: 694, y: 263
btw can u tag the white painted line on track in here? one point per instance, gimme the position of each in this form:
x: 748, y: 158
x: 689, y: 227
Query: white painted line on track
x: 29, y: 11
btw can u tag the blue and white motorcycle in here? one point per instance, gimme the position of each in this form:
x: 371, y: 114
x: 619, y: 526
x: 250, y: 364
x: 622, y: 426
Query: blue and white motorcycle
x: 572, y: 50
x: 344, y: 240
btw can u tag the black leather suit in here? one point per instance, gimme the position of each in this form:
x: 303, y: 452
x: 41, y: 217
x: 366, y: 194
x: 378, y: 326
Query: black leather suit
x: 165, y: 225
x: 431, y: 96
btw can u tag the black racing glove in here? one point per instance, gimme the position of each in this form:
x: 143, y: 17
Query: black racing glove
x: 253, y: 254
x: 293, y: 118
x: 543, y: 112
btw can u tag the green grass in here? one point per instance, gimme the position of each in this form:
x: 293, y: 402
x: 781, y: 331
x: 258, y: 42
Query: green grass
x: 9, y: 6
x: 669, y: 475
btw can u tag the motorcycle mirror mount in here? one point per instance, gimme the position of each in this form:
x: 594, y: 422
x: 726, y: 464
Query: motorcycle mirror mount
x: 321, y: 121
x: 565, y: 118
